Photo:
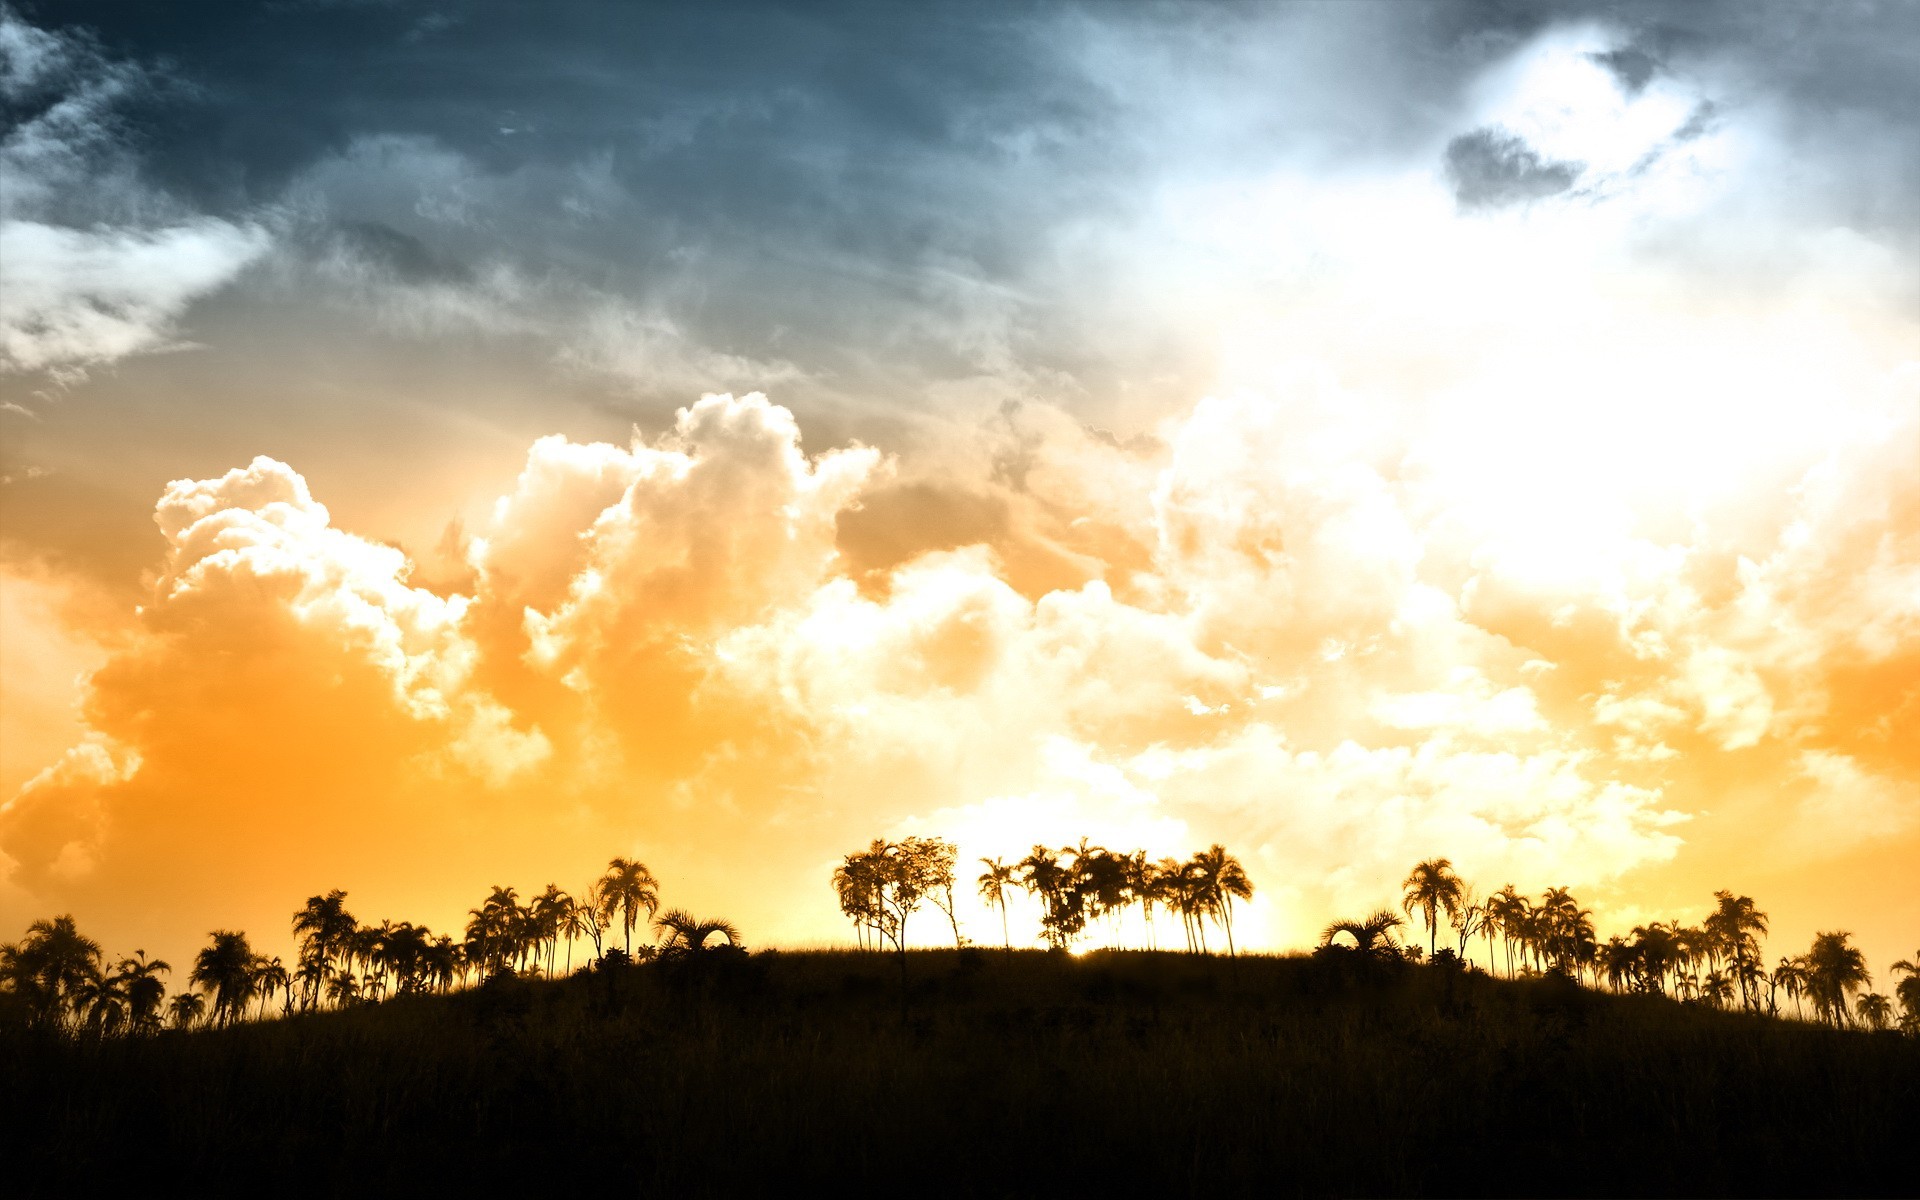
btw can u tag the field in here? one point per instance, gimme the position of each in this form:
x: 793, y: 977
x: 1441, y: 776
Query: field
x: 1126, y: 1074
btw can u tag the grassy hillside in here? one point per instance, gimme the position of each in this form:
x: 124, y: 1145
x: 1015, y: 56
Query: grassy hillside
x: 1127, y: 1073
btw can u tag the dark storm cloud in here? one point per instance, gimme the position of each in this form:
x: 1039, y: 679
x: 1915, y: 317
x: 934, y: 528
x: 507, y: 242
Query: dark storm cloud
x: 873, y: 192
x: 1490, y: 169
x: 1633, y: 68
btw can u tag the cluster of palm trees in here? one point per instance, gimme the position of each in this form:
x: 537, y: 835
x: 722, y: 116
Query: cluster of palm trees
x: 1078, y: 885
x: 881, y: 887
x: 55, y: 977
x: 1718, y: 962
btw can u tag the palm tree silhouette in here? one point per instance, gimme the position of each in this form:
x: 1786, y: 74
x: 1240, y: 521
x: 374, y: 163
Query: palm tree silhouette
x: 101, y: 1004
x: 325, y: 929
x: 1790, y: 977
x: 1736, y: 927
x: 579, y: 919
x: 1371, y: 935
x: 625, y: 889
x: 186, y: 1008
x: 1432, y: 888
x: 1222, y: 880
x: 1507, y: 911
x: 145, y: 991
x: 686, y: 934
x: 1908, y: 990
x: 270, y: 977
x: 549, y: 913
x: 1835, y: 970
x: 225, y: 969
x: 50, y: 966
x: 994, y: 884
x: 1876, y: 1011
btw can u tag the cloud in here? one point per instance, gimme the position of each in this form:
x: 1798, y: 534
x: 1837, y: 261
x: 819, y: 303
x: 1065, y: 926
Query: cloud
x: 81, y: 298
x: 99, y: 264
x: 1490, y: 169
x: 284, y: 684
x: 1517, y: 534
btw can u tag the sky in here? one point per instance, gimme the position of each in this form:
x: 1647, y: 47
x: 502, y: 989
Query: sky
x: 450, y: 444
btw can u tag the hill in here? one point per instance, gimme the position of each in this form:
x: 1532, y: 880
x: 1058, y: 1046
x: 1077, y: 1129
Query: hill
x: 1022, y: 1074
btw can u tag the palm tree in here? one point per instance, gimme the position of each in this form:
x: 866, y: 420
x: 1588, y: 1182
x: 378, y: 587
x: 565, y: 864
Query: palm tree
x: 994, y: 883
x: 1063, y: 910
x: 186, y: 1008
x: 1718, y: 989
x: 1791, y: 977
x: 549, y: 913
x: 1371, y: 935
x: 491, y: 930
x: 325, y: 929
x: 1737, y: 926
x: 1432, y: 888
x: 50, y: 966
x: 1222, y: 880
x: 441, y: 962
x: 1507, y: 910
x: 225, y: 969
x: 1835, y: 970
x: 140, y: 980
x: 101, y: 1004
x: 270, y: 976
x: 1908, y: 990
x: 686, y: 934
x: 625, y: 889
x: 1875, y: 1010
x: 577, y: 920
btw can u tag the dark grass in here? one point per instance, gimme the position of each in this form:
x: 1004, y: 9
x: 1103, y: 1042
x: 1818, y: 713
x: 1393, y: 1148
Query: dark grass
x: 1118, y: 1074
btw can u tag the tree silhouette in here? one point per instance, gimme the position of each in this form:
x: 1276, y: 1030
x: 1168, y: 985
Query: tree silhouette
x: 140, y: 981
x: 1507, y: 911
x: 881, y: 887
x: 932, y: 860
x: 1876, y: 1011
x: 549, y: 914
x: 270, y: 977
x: 684, y: 934
x: 580, y: 918
x: 1735, y: 929
x: 1835, y: 970
x: 994, y: 883
x: 100, y: 1003
x: 225, y: 970
x: 1908, y: 992
x: 326, y: 930
x: 626, y: 889
x: 1063, y: 904
x: 49, y: 967
x: 1433, y: 889
x: 1221, y: 881
x: 1371, y: 935
x: 186, y: 1009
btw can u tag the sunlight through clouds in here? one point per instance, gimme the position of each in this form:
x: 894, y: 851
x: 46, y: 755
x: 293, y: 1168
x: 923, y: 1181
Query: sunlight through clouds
x: 1347, y: 440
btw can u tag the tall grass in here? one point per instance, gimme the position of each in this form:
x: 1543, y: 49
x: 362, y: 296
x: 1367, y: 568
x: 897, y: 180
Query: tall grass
x: 1028, y: 1074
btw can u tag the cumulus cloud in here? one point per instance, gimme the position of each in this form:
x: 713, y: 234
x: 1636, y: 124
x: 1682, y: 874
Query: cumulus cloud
x: 665, y: 637
x: 284, y: 684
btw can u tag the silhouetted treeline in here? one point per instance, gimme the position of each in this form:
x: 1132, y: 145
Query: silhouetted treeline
x: 880, y: 887
x: 55, y: 978
x: 1719, y: 962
